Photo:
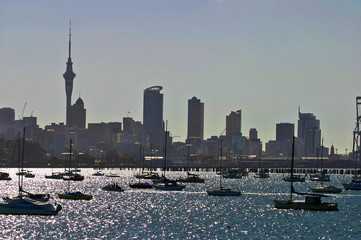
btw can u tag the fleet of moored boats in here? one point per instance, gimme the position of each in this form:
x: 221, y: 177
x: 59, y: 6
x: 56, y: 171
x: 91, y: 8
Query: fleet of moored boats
x: 26, y: 203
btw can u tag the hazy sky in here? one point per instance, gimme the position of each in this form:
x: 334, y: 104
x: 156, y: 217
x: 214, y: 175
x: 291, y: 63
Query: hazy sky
x: 264, y: 57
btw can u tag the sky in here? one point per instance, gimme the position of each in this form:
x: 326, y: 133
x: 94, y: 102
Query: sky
x: 265, y: 57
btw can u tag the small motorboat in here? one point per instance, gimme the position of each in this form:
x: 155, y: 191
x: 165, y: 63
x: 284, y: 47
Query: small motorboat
x: 75, y: 196
x: 168, y: 186
x: 4, y: 176
x: 114, y: 187
x: 140, y: 185
x: 99, y: 173
x: 192, y: 178
x: 223, y: 192
x: 73, y: 177
x: 112, y: 175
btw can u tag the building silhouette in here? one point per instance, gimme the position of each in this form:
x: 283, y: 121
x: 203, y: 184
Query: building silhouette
x: 233, y: 123
x: 77, y: 115
x: 285, y: 131
x: 153, y: 130
x: 7, y: 120
x: 195, y: 118
x: 309, y: 133
x: 69, y: 76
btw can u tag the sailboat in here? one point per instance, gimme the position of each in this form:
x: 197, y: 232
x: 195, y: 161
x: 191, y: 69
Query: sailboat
x: 54, y: 175
x: 320, y: 176
x: 165, y: 184
x: 324, y: 188
x: 355, y: 183
x: 295, y: 178
x: 23, y: 204
x: 222, y: 191
x: 42, y: 197
x: 139, y: 184
x: 191, y: 177
x: 311, y: 202
x: 73, y: 195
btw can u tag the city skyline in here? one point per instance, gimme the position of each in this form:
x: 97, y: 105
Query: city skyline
x: 263, y: 58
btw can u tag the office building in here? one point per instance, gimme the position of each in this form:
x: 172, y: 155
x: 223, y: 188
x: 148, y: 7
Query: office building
x: 310, y: 133
x: 195, y: 118
x: 285, y: 131
x: 233, y: 123
x: 153, y: 130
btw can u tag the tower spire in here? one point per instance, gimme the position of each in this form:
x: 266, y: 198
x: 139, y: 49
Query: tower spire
x: 69, y: 76
x: 70, y: 39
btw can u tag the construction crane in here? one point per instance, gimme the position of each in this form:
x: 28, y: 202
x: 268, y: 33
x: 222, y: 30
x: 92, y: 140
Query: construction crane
x: 22, y: 114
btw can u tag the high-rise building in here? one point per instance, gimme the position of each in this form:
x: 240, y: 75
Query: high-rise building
x: 69, y: 76
x: 153, y: 130
x: 77, y: 115
x: 253, y: 134
x: 7, y: 120
x: 195, y: 118
x: 309, y: 132
x: 233, y: 123
x: 285, y: 131
x: 7, y: 116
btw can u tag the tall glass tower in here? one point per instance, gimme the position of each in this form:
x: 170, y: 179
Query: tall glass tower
x: 152, y: 135
x: 309, y: 131
x: 195, y: 118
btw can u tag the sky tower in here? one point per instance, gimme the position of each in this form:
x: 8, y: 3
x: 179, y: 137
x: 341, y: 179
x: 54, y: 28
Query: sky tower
x: 69, y: 76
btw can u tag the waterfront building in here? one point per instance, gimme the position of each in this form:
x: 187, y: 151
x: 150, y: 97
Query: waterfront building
x: 98, y: 133
x: 254, y: 144
x: 132, y: 128
x: 234, y: 141
x: 285, y: 131
x: 195, y: 118
x: 153, y: 130
x: 233, y: 123
x: 77, y: 115
x: 7, y: 120
x: 309, y: 132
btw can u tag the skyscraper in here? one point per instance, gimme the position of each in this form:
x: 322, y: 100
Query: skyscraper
x: 195, y: 118
x: 152, y: 135
x: 309, y: 132
x: 285, y: 131
x: 233, y: 123
x: 77, y: 115
x: 69, y: 76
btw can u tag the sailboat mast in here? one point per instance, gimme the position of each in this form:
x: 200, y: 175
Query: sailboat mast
x: 165, y: 148
x: 70, y: 151
x: 293, y: 156
x: 220, y: 176
x: 19, y: 160
x: 22, y: 160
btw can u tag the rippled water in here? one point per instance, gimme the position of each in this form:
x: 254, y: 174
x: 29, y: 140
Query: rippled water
x: 188, y: 214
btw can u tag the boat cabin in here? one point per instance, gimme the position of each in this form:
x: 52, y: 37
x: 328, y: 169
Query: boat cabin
x: 313, y: 199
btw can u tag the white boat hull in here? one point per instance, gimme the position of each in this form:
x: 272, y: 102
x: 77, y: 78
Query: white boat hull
x: 28, y: 207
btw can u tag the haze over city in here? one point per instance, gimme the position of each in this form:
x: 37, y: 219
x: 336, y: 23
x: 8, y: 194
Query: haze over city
x: 266, y: 58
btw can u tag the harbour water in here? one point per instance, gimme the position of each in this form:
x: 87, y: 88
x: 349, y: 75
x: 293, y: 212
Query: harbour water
x: 187, y: 214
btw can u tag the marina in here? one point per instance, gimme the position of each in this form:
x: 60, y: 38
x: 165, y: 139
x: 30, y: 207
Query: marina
x: 190, y: 213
